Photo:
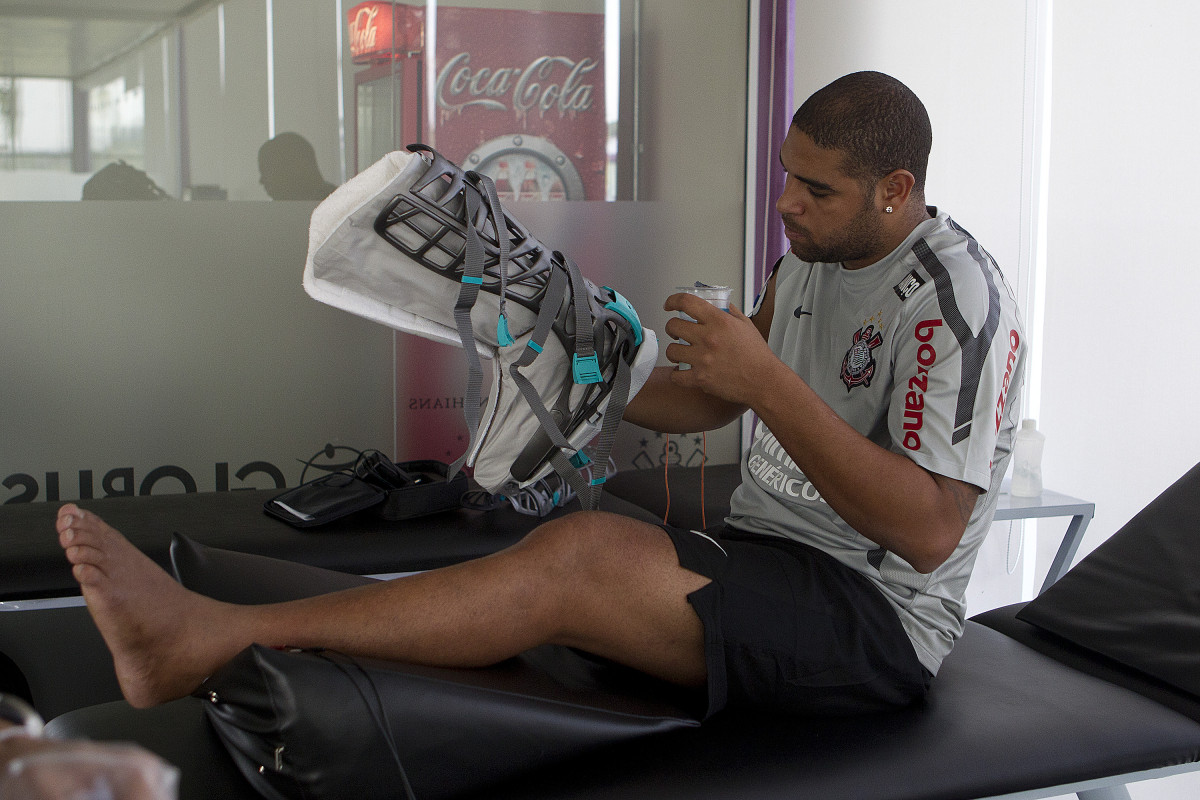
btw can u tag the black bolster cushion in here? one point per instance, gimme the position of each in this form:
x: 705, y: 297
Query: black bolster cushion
x: 250, y: 579
x: 1136, y: 598
x: 315, y: 723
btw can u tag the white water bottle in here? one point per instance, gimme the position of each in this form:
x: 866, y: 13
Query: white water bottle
x: 1027, y: 460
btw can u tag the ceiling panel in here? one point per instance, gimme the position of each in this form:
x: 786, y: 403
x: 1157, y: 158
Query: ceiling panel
x: 71, y: 38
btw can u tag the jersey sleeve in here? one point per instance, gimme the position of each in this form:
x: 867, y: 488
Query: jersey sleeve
x: 955, y: 353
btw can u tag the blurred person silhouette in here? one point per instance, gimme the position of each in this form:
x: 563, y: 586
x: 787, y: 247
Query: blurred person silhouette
x: 288, y: 170
x: 120, y: 181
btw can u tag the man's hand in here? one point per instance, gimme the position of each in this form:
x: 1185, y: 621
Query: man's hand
x: 727, y: 353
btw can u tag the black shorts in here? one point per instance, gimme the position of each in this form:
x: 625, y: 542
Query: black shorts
x: 789, y: 629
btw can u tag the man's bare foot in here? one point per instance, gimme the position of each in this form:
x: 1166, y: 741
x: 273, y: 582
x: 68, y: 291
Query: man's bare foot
x: 160, y: 634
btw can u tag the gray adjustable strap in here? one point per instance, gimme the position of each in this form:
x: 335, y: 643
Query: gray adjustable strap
x: 585, y: 349
x: 502, y: 242
x: 588, y: 498
x: 618, y: 396
x: 539, y: 409
x: 583, y: 315
x: 555, y: 292
x: 472, y: 279
x: 560, y: 281
x: 589, y: 493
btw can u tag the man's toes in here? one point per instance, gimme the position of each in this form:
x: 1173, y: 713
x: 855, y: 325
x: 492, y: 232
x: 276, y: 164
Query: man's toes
x: 70, y: 536
x: 68, y: 512
x: 84, y: 520
x: 86, y: 573
x: 82, y: 526
x: 83, y: 554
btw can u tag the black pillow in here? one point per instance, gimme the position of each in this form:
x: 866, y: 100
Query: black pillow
x: 1136, y: 598
x: 249, y: 579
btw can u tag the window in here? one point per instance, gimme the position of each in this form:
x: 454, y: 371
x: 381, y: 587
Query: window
x: 35, y: 123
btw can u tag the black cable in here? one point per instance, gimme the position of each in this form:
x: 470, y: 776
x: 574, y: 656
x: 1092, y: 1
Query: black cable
x: 329, y: 451
x: 374, y: 467
x: 376, y: 710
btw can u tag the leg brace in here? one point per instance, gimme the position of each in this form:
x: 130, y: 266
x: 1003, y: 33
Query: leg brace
x: 419, y: 245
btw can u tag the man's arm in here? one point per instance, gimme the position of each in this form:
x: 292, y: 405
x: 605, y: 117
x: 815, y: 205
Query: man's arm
x: 666, y: 406
x: 916, y: 514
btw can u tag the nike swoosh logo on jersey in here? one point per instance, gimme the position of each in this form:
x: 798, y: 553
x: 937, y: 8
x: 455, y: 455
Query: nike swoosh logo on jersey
x: 800, y: 312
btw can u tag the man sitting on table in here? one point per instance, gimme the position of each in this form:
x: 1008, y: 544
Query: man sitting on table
x: 883, y: 360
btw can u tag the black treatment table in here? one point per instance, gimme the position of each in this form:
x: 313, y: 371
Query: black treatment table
x: 1094, y: 684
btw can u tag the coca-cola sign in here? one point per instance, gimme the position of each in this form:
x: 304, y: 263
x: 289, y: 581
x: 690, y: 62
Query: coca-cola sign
x: 379, y: 31
x: 364, y: 28
x: 548, y: 83
x: 534, y: 77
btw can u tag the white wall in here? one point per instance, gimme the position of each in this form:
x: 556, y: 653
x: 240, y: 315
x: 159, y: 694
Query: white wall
x: 1121, y: 285
x: 966, y: 63
x: 1121, y: 288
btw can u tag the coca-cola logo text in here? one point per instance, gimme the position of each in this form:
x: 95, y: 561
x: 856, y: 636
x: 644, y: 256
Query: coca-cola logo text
x: 549, y: 82
x: 363, y: 30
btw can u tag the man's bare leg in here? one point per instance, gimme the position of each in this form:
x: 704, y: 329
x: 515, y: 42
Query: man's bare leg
x: 603, y: 583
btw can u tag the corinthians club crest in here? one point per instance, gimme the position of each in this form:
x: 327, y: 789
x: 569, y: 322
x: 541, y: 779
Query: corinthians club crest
x: 859, y: 364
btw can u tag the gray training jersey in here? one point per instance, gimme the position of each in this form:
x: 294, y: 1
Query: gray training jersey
x: 923, y: 353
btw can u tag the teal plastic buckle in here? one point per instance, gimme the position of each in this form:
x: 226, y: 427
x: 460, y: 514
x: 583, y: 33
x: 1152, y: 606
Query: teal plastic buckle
x: 503, y: 337
x: 579, y: 460
x: 625, y: 309
x: 598, y: 481
x: 469, y: 279
x: 587, y: 369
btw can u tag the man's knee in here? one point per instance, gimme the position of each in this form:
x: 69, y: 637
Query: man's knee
x: 570, y: 540
x: 597, y: 542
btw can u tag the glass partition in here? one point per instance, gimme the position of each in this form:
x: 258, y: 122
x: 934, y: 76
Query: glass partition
x: 173, y: 339
x: 218, y: 102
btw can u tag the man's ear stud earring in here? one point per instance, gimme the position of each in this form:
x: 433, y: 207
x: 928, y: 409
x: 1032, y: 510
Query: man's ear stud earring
x: 888, y: 210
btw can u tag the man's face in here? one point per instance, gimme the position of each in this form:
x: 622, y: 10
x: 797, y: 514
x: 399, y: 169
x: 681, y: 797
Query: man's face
x: 827, y: 215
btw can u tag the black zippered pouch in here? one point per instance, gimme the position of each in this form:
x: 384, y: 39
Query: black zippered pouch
x: 324, y: 499
x: 400, y: 491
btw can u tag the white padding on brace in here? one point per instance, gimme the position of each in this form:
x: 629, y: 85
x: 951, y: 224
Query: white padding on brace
x: 361, y: 199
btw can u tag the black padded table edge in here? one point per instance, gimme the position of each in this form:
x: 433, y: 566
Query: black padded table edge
x: 32, y: 564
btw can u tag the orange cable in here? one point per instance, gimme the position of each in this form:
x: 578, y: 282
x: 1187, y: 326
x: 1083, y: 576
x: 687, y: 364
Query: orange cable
x: 666, y: 482
x: 703, y: 461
